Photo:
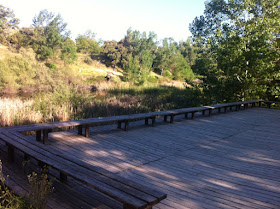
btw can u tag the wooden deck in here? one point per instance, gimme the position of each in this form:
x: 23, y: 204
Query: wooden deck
x: 225, y: 161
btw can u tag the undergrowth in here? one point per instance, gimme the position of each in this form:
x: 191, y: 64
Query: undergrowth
x: 40, y: 188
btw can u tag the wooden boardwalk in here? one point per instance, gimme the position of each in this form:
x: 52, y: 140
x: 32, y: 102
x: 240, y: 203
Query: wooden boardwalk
x: 225, y: 161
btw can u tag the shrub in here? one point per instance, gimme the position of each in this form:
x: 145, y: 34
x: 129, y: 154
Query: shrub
x: 88, y: 60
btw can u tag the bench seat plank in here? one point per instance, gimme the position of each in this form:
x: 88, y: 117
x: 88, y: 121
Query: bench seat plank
x: 110, y: 186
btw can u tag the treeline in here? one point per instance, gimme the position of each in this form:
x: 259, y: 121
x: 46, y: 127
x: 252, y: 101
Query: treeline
x: 137, y: 54
x: 234, y: 49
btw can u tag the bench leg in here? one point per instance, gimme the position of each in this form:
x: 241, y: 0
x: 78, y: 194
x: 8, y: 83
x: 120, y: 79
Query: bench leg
x: 186, y: 115
x: 165, y: 118
x: 260, y: 103
x: 219, y: 109
x: 153, y: 121
x: 45, y: 136
x: 236, y: 107
x: 62, y: 177
x: 203, y: 112
x: 11, y: 154
x: 171, y: 118
x: 210, y: 112
x: 80, y: 130
x: 119, y: 125
x: 230, y: 108
x: 126, y: 126
x: 269, y: 105
x: 146, y: 121
x: 192, y: 115
x: 38, y: 135
x: 87, y: 131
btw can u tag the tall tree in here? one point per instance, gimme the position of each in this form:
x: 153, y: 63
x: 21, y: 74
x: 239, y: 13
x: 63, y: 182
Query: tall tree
x: 238, y: 38
x: 50, y: 35
x: 86, y: 43
x: 8, y: 21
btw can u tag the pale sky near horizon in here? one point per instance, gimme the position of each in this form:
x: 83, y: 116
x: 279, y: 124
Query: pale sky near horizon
x: 110, y: 19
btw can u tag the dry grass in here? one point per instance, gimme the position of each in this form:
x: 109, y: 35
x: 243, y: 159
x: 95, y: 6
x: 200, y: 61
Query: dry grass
x: 14, y: 111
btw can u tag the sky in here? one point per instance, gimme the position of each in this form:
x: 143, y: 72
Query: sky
x: 110, y: 19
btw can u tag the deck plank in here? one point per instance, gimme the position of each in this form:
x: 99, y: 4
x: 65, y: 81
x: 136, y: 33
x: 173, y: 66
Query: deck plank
x: 227, y: 160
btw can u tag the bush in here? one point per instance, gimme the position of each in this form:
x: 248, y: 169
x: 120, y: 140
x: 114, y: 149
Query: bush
x: 168, y: 74
x: 51, y: 66
x: 88, y: 60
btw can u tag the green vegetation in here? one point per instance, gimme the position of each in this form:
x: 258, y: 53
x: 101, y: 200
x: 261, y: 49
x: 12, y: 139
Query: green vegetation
x: 233, y: 55
x: 238, y: 49
x: 40, y: 188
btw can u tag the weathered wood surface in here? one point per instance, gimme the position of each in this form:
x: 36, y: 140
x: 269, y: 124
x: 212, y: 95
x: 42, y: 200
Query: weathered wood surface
x: 226, y: 161
x: 131, y: 194
x: 71, y: 196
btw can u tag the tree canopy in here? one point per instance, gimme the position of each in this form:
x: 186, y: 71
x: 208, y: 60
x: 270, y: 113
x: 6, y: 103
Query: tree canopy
x: 239, y: 54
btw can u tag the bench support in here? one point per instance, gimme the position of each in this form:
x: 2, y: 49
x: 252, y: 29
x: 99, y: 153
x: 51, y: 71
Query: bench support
x: 210, y: 112
x: 193, y: 115
x: 186, y: 115
x: 38, y: 135
x: 45, y: 136
x: 119, y: 124
x: 165, y: 118
x: 171, y: 118
x: 11, y: 154
x: 153, y: 121
x: 126, y: 125
x: 146, y: 121
x: 87, y: 131
x: 80, y: 130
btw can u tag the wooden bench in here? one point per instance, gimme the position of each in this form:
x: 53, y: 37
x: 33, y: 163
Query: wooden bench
x: 43, y: 129
x: 129, y: 193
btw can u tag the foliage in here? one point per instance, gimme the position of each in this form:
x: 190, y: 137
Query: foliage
x: 40, y: 188
x: 87, y: 44
x: 8, y: 22
x: 52, y: 38
x: 238, y: 54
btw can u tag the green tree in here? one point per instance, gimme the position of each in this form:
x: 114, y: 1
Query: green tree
x: 87, y: 44
x: 8, y: 22
x: 69, y: 51
x: 238, y: 37
x: 50, y: 35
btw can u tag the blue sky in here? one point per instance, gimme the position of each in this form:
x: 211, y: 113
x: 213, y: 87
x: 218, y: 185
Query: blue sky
x: 110, y: 19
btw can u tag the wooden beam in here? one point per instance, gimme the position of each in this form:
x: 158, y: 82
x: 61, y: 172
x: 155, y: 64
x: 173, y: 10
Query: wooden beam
x: 210, y: 112
x: 146, y: 121
x: 80, y: 130
x: 87, y: 131
x: 126, y: 125
x: 119, y: 124
x: 45, y: 136
x: 38, y: 135
x: 171, y: 118
x: 153, y: 121
x: 11, y: 154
